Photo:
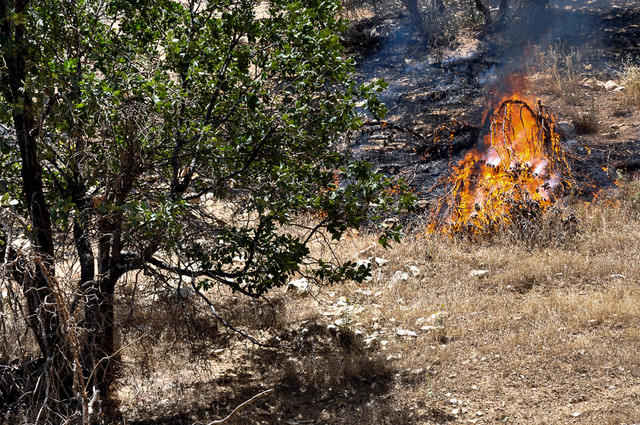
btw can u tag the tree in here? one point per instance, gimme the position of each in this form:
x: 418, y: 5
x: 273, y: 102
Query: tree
x: 122, y: 117
x: 531, y: 10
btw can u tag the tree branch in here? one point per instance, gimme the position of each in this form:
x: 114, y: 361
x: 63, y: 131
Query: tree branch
x: 242, y: 406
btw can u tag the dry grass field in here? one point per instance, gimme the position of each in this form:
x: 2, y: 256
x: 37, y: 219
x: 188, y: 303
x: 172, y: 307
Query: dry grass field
x: 536, y: 330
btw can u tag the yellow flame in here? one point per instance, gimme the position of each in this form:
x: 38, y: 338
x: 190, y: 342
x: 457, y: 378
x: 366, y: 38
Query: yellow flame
x: 519, y: 160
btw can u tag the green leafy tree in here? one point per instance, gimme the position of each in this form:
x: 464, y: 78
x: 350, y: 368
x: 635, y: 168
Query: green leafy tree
x: 172, y: 137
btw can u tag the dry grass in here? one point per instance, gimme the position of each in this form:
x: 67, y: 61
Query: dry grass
x: 548, y: 334
x: 631, y: 81
x: 545, y: 333
x: 560, y: 69
x: 586, y: 121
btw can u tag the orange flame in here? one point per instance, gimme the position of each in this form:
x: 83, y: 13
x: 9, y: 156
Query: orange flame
x: 518, y: 162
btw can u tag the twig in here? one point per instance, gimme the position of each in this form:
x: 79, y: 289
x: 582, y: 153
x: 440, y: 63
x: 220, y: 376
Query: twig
x: 242, y: 406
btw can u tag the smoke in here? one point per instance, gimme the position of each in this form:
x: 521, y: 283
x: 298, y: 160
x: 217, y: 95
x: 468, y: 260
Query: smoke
x: 532, y: 27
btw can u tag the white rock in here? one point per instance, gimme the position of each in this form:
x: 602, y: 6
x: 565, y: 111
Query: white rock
x: 428, y: 328
x: 371, y: 341
x: 399, y: 276
x: 186, y: 292
x: 591, y: 83
x: 455, y: 412
x: 299, y: 286
x: 390, y: 222
x: 610, y: 85
x: 364, y: 263
x: 478, y: 273
x: 415, y: 272
x: 380, y: 261
x: 422, y: 203
x: 404, y: 332
x: 341, y: 322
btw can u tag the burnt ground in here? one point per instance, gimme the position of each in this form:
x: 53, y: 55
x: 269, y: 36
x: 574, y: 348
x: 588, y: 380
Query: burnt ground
x: 430, y: 88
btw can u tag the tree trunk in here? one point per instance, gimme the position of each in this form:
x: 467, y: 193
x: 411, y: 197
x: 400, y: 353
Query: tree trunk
x: 41, y: 303
x: 99, y: 310
x: 100, y: 350
x: 485, y: 12
x: 414, y: 12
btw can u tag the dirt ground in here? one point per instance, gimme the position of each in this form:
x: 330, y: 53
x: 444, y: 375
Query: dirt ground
x: 542, y: 329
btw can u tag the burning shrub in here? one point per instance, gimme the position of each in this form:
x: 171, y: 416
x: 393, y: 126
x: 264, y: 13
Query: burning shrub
x: 518, y: 165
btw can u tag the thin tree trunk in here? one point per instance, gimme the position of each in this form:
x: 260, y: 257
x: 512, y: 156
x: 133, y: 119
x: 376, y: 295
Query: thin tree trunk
x: 41, y: 304
x: 99, y: 320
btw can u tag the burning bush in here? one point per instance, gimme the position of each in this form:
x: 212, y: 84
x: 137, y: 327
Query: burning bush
x: 518, y: 163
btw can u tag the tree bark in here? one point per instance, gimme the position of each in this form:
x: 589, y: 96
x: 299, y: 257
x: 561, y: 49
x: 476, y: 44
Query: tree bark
x: 100, y: 359
x: 41, y: 304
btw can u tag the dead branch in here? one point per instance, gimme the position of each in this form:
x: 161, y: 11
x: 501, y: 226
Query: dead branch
x: 629, y: 164
x: 389, y: 125
x: 242, y: 406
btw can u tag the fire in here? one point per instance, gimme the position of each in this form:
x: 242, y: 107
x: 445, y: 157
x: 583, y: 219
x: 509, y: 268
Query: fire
x: 518, y: 163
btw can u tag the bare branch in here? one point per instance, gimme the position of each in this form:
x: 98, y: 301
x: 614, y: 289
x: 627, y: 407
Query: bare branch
x: 242, y: 406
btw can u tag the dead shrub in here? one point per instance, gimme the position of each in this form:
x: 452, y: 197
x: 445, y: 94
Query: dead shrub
x: 586, y: 121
